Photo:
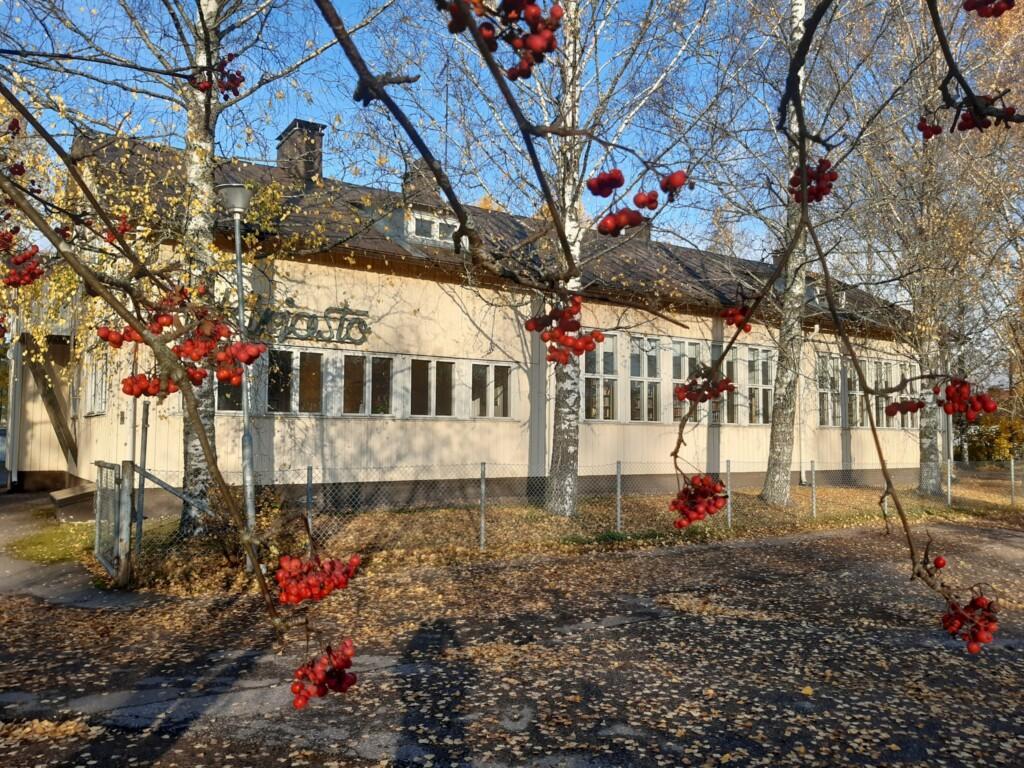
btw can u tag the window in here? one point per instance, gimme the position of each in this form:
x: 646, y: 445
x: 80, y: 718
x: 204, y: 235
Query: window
x: 883, y: 379
x: 353, y: 377
x: 428, y: 401
x: 96, y: 391
x: 600, y: 368
x: 424, y: 228
x: 760, y: 378
x: 644, y: 379
x: 828, y: 391
x: 686, y: 363
x: 358, y: 389
x: 380, y: 385
x: 445, y: 231
x: 724, y: 410
x: 444, y: 388
x: 910, y: 371
x: 479, y: 387
x: 856, y: 401
x: 281, y: 381
x: 310, y: 382
x: 229, y: 397
x: 502, y: 379
x: 490, y: 390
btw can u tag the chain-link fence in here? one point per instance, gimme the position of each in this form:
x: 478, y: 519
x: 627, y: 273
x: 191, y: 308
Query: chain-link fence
x: 440, y: 513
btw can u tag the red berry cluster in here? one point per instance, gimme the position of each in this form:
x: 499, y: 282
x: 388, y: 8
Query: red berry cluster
x: 13, y: 127
x: 737, y: 316
x: 960, y: 400
x: 673, y: 183
x: 561, y: 341
x: 24, y: 268
x: 613, y: 224
x: 314, y: 579
x: 700, y: 496
x: 231, y: 358
x: 327, y: 672
x: 969, y: 120
x: 819, y: 182
x: 147, y: 384
x: 606, y: 182
x: 702, y: 388
x: 122, y: 227
x: 228, y: 81
x: 531, y: 44
x: 974, y: 623
x: 3, y: 326
x: 989, y: 9
x: 903, y: 406
x: 117, y: 338
x: 928, y: 130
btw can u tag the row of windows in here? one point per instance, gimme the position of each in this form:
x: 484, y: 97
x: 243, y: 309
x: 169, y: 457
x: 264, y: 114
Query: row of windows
x: 843, y: 403
x: 295, y: 384
x: 600, y: 380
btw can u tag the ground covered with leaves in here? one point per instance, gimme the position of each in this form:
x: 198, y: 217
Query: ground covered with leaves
x: 812, y: 649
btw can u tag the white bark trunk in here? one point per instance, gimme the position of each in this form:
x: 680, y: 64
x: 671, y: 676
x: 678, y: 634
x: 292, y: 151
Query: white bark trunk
x: 201, y: 208
x: 565, y: 435
x: 780, y: 450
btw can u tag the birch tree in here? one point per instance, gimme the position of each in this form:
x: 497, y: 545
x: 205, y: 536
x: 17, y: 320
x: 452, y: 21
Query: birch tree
x: 162, y: 71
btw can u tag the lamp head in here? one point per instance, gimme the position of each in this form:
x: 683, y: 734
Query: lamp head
x: 234, y: 197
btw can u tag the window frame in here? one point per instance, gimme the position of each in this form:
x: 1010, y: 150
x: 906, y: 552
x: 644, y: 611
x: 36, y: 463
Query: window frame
x: 730, y: 400
x: 754, y: 355
x: 490, y: 383
x: 833, y: 393
x: 649, y: 383
x: 366, y: 402
x: 605, y: 381
x: 436, y: 224
x: 98, y: 387
x: 688, y: 366
x: 432, y: 363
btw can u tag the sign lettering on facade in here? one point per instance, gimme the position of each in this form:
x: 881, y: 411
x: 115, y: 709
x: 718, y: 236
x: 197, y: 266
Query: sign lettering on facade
x: 337, y: 325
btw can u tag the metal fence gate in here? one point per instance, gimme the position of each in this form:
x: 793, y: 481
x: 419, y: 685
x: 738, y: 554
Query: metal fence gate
x: 108, y: 489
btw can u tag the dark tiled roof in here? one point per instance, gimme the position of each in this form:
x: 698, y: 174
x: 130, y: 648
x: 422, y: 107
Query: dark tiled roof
x: 343, y: 215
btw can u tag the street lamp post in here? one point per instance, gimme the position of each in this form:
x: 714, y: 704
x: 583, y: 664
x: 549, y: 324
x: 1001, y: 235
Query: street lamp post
x: 235, y: 199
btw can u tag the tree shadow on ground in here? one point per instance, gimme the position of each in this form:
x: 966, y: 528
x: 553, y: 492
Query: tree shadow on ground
x: 433, y: 688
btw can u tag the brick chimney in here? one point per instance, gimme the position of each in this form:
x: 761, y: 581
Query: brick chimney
x: 300, y: 149
x: 419, y: 186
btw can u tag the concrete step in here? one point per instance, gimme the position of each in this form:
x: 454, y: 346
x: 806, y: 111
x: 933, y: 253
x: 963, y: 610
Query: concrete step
x: 76, y: 493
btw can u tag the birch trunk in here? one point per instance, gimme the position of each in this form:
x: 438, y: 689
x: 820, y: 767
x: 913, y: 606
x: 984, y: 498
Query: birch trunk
x: 565, y: 428
x: 930, y: 472
x: 780, y: 449
x: 201, y: 210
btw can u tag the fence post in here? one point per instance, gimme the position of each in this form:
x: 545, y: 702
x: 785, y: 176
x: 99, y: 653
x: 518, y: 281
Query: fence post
x: 618, y: 497
x: 483, y: 505
x: 140, y: 495
x: 949, y: 482
x: 309, y: 505
x: 814, y: 492
x: 728, y: 493
x: 1013, y: 483
x: 124, y: 526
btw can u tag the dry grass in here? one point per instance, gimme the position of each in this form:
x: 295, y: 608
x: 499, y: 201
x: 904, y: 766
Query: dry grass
x: 398, y: 539
x: 437, y: 536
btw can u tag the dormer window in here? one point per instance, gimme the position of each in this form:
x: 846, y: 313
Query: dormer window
x: 427, y: 227
x: 424, y: 228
